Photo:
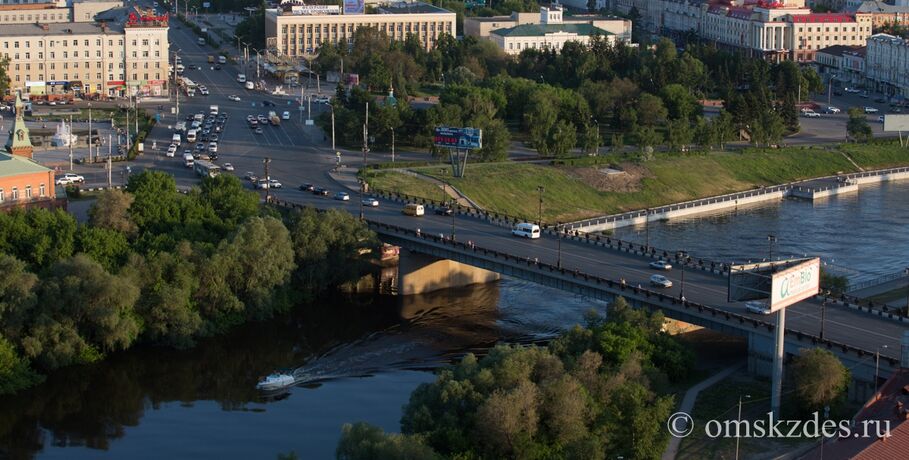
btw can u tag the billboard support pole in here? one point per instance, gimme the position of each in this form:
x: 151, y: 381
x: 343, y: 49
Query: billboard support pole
x: 776, y: 384
x: 458, y: 161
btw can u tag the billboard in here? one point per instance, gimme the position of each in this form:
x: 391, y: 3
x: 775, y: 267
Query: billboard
x: 354, y: 6
x: 458, y: 138
x: 795, y: 284
x: 315, y: 10
x: 894, y: 123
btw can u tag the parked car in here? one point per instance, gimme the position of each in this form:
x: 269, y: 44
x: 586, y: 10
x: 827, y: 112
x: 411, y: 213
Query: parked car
x: 307, y: 187
x: 342, y: 196
x: 660, y: 281
x: 262, y: 184
x: 661, y: 265
x: 756, y: 306
x: 371, y: 202
x: 228, y: 167
x: 69, y: 178
x: 870, y: 110
x: 217, y: 66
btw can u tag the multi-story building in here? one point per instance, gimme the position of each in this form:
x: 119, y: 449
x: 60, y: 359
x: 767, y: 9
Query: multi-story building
x: 77, y: 11
x: 23, y: 182
x: 550, y: 33
x: 777, y: 30
x: 845, y: 64
x: 884, y: 13
x: 483, y: 26
x: 299, y: 30
x: 123, y: 51
x: 887, y: 64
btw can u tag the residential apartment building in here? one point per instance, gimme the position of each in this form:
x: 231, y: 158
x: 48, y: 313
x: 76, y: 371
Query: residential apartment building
x: 845, y: 64
x: 887, y: 64
x: 551, y: 33
x: 124, y: 51
x: 483, y: 26
x: 78, y: 11
x: 299, y: 30
x: 884, y: 13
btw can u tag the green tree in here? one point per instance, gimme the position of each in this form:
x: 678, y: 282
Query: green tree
x: 820, y: 378
x: 562, y: 138
x: 362, y: 441
x: 111, y: 211
x: 232, y: 203
x: 857, y: 127
x: 648, y: 138
x: 540, y: 117
x: 679, y: 134
x: 105, y: 246
x: 18, y: 296
x: 679, y: 101
x: 651, y: 110
x: 15, y: 374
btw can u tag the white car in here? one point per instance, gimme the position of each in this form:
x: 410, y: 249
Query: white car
x: 228, y: 167
x: 880, y: 119
x: 272, y: 183
x: 203, y: 91
x: 870, y: 110
x: 342, y: 196
x: 833, y: 109
x: 322, y: 99
x: 756, y: 306
x: 661, y: 265
x: 69, y: 178
x: 660, y: 281
x: 172, y: 150
x: 213, y: 147
x: 234, y: 97
x: 285, y: 115
x: 250, y: 85
x: 371, y: 202
x: 811, y: 114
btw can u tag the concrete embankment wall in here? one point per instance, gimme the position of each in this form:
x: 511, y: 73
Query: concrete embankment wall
x: 419, y: 274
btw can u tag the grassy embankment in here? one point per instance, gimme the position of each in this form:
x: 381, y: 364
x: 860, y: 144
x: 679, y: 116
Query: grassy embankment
x: 511, y: 188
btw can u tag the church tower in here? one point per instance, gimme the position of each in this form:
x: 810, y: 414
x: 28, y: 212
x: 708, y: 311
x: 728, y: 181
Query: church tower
x: 19, y: 142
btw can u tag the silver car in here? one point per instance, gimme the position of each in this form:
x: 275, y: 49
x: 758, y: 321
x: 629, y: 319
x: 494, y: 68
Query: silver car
x: 660, y: 281
x: 756, y: 306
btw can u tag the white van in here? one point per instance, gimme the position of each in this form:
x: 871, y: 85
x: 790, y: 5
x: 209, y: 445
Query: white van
x: 241, y: 78
x: 188, y: 160
x: 191, y: 136
x: 413, y: 209
x: 526, y: 230
x: 176, y: 139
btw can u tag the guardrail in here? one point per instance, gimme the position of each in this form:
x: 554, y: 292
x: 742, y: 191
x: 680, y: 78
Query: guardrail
x: 879, y: 280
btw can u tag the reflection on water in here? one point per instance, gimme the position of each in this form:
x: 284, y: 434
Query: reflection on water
x: 159, y: 403
x: 860, y: 235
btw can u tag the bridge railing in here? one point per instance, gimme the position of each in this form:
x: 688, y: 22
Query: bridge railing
x: 639, y: 292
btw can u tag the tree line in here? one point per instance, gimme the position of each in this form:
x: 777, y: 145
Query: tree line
x: 154, y: 265
x: 614, y: 94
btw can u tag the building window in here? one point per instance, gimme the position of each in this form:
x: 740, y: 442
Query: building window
x: 15, y: 194
x: 41, y: 191
x: 28, y: 192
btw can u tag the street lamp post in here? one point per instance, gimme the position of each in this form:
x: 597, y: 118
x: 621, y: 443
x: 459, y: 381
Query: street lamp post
x: 541, y: 189
x: 771, y: 239
x: 877, y: 365
x: 680, y: 256
x: 90, y: 132
x: 559, y: 244
x: 739, y: 424
x: 451, y: 205
x: 823, y: 314
x: 647, y: 228
x: 266, y: 161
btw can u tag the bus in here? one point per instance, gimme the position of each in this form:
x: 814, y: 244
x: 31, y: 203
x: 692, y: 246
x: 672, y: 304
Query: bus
x: 206, y: 168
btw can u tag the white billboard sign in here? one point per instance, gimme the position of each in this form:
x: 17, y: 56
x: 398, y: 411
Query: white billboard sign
x: 315, y: 10
x: 795, y: 284
x: 893, y: 123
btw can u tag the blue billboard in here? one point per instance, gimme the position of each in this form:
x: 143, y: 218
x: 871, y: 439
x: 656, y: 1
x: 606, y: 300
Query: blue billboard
x: 354, y: 6
x: 458, y: 138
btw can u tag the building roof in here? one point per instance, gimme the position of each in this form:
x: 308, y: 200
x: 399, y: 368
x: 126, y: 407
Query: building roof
x: 883, y: 406
x: 14, y: 165
x: 877, y: 6
x: 887, y: 38
x: 540, y: 30
x: 839, y: 50
x: 27, y: 6
x: 410, y: 8
x: 61, y: 28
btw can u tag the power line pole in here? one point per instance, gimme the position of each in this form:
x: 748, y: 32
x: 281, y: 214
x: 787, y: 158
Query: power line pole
x: 266, y: 161
x: 90, y: 133
x: 70, y: 140
x: 110, y: 163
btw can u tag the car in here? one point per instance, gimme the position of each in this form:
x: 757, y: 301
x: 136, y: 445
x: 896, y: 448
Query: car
x: 214, y: 138
x: 320, y: 191
x: 756, y: 306
x: 250, y: 176
x: 811, y: 114
x: 203, y: 91
x: 250, y: 85
x: 262, y: 119
x: 307, y: 187
x: 213, y: 147
x: 187, y: 152
x: 342, y: 196
x: 69, y: 178
x: 171, y: 151
x: 234, y: 97
x: 833, y: 109
x: 259, y: 131
x: 870, y: 110
x: 217, y: 66
x: 272, y: 183
x: 200, y: 146
x: 218, y: 128
x: 880, y: 119
x: 321, y: 99
x: 228, y: 167
x: 371, y: 202
x: 285, y: 115
x: 268, y: 104
x: 443, y: 211
x: 262, y: 184
x: 660, y: 281
x: 250, y: 117
x: 660, y: 265
x: 192, y: 67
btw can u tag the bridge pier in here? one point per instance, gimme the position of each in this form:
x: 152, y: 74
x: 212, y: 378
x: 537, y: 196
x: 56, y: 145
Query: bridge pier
x: 419, y: 274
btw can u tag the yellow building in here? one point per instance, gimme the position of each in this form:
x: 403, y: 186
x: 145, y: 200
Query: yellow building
x: 298, y: 30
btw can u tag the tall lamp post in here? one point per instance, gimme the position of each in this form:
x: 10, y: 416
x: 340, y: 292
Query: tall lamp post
x: 541, y: 189
x: 771, y: 239
x: 266, y: 161
x: 739, y: 423
x: 451, y: 206
x: 680, y: 256
x: 559, y: 239
x: 877, y: 365
x: 823, y: 313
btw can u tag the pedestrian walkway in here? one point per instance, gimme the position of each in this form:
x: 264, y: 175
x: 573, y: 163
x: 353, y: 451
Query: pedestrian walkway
x: 688, y: 404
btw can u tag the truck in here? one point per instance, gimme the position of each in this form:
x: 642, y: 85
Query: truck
x: 206, y: 168
x: 273, y: 118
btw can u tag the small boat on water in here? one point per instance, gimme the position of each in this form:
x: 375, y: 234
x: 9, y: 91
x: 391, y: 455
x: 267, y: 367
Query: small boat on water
x: 275, y: 381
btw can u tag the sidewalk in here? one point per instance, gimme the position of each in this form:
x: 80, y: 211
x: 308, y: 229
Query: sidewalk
x: 688, y: 404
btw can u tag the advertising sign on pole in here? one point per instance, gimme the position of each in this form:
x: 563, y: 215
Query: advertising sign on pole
x: 458, y: 138
x: 795, y: 284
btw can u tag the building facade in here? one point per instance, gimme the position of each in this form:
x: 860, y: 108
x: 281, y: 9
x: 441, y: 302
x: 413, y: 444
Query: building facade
x: 887, y: 64
x: 884, y: 13
x: 483, y: 26
x: 77, y: 59
x: 299, y: 31
x: 23, y: 182
x: 78, y: 11
x: 550, y: 34
x: 781, y: 30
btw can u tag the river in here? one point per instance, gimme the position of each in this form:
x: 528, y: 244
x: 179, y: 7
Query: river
x: 860, y: 235
x: 159, y: 403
